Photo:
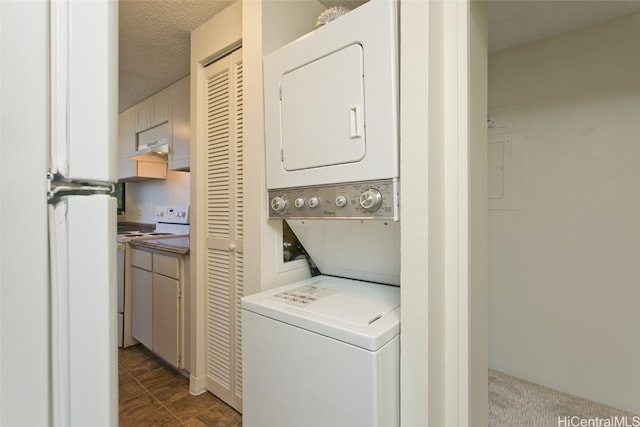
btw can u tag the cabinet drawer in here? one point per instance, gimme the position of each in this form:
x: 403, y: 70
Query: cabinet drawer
x: 141, y: 259
x: 166, y: 265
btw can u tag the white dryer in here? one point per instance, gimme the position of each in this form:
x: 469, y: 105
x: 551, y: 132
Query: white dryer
x: 322, y: 352
x: 331, y: 102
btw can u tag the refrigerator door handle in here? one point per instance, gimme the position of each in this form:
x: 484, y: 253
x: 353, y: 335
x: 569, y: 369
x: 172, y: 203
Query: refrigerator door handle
x: 57, y: 189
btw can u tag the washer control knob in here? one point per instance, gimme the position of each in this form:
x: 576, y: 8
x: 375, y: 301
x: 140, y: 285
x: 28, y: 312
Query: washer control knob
x: 279, y: 204
x: 371, y: 200
x: 299, y: 202
x: 314, y: 202
x: 341, y: 201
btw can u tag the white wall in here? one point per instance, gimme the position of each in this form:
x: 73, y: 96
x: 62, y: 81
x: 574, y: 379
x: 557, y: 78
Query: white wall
x: 564, y: 268
x: 143, y: 197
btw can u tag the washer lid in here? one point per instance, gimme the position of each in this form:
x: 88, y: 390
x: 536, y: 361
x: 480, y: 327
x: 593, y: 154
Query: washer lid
x: 359, y: 313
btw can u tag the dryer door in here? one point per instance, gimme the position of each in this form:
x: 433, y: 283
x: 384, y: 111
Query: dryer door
x: 322, y: 111
x: 331, y: 102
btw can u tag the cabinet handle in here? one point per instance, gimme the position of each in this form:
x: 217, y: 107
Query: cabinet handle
x: 232, y: 247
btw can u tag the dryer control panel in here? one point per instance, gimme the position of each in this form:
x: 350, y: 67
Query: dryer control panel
x: 355, y: 200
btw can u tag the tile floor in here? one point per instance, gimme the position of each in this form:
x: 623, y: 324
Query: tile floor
x: 153, y: 394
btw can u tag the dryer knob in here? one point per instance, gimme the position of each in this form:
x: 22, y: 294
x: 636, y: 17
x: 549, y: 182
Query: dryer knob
x: 314, y: 202
x: 371, y: 200
x: 299, y: 202
x: 279, y: 204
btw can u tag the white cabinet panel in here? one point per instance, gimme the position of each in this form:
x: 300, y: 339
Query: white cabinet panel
x: 166, y: 265
x: 166, y: 318
x: 142, y: 259
x: 152, y: 111
x: 179, y: 121
x: 141, y: 313
x: 157, y: 281
x: 160, y: 107
x: 144, y: 113
x: 127, y: 143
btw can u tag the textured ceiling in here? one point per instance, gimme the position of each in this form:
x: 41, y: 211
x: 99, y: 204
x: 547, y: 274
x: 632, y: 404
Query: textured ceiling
x: 154, y: 34
x: 516, y: 22
x: 154, y: 43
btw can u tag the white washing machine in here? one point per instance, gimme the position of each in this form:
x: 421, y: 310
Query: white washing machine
x: 322, y: 352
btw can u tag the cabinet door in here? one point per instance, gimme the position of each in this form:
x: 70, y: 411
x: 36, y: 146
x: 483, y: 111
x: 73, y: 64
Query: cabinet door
x: 141, y: 259
x: 142, y: 310
x: 127, y: 140
x: 166, y: 265
x: 224, y: 225
x: 180, y: 125
x: 166, y: 318
x: 160, y: 107
x: 144, y: 115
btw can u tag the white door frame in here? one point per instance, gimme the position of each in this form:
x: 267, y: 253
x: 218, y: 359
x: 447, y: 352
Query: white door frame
x: 443, y: 217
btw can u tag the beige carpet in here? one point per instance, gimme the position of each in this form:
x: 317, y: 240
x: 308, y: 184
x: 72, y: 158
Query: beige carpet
x: 517, y: 403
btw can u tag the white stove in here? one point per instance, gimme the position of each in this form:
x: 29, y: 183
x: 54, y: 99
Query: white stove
x: 172, y: 221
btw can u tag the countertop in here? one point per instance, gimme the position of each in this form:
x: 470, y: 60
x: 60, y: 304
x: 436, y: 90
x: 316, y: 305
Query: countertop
x: 177, y: 245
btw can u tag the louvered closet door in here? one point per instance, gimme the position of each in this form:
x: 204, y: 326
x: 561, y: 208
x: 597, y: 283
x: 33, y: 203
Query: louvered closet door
x: 224, y: 225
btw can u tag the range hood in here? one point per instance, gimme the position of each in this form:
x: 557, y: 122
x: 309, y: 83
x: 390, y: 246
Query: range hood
x: 153, y: 145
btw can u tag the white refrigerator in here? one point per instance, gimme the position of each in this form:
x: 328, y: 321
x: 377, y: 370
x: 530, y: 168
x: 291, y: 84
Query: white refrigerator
x: 58, y: 142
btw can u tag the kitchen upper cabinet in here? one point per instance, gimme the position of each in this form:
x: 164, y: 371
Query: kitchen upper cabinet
x: 153, y: 111
x: 179, y: 125
x: 131, y: 170
x: 169, y: 105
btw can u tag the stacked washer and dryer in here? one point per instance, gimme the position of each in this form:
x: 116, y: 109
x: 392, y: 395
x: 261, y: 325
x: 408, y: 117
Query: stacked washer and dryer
x: 325, y: 351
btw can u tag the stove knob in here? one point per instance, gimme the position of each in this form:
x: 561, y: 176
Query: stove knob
x: 314, y: 202
x: 371, y: 200
x: 341, y: 201
x: 279, y: 204
x: 299, y: 203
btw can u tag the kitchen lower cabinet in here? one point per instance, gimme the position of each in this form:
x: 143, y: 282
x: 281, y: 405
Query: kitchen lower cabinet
x: 141, y: 294
x: 157, y: 303
x: 166, y: 321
